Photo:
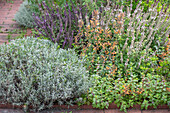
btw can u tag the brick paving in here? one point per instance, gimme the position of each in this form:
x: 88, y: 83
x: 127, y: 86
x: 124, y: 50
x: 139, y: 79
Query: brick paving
x: 7, y: 13
x: 7, y: 24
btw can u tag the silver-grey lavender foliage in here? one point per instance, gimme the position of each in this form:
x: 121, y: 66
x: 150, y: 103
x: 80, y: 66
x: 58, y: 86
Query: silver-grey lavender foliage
x: 35, y: 72
x: 24, y: 14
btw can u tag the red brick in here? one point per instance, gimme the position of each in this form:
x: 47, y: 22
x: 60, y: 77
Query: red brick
x: 10, y: 111
x: 3, y: 39
x: 69, y: 107
x: 137, y: 106
x: 7, y: 22
x: 5, y: 30
x: 2, y: 4
x: 113, y: 111
x: 134, y: 111
x: 10, y: 5
x: 118, y: 111
x: 8, y: 9
x: 86, y: 107
x: 113, y: 106
x: 162, y: 107
x: 4, y: 35
x: 2, y: 42
x: 57, y: 111
x: 156, y: 111
x: 8, y: 16
x: 89, y: 111
x: 7, y: 12
x: 3, y: 13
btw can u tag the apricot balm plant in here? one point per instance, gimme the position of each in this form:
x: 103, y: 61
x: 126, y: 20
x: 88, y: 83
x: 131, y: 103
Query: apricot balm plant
x: 122, y: 48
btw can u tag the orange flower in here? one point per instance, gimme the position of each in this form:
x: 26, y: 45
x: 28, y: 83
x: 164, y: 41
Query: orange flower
x: 109, y: 43
x: 88, y: 27
x: 102, y: 56
x: 80, y: 23
x: 96, y: 22
x: 107, y: 68
x: 92, y: 61
x: 106, y: 52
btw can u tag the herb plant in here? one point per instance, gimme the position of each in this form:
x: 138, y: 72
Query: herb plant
x: 138, y: 39
x: 35, y: 72
x: 24, y: 15
x: 56, y: 26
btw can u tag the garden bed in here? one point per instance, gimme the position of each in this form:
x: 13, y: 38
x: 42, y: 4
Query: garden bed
x: 107, y: 57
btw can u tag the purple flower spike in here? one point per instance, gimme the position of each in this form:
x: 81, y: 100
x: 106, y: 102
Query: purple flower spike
x: 147, y: 1
x: 52, y: 24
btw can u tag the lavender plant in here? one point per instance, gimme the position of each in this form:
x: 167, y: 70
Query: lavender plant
x: 24, y: 15
x: 56, y: 26
x: 35, y: 72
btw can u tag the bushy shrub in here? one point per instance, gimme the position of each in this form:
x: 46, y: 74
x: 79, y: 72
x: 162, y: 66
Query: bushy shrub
x: 24, y: 14
x: 126, y: 93
x: 134, y: 34
x: 144, y: 35
x: 139, y: 37
x: 56, y: 26
x: 95, y: 42
x: 35, y: 72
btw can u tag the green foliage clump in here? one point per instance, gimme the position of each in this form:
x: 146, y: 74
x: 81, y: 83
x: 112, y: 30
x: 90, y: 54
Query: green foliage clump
x: 24, y: 14
x: 125, y: 93
x: 36, y: 72
x: 164, y: 68
x: 138, y: 38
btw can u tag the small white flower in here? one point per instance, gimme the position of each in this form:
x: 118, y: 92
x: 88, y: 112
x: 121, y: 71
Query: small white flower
x: 137, y: 16
x: 142, y: 33
x: 120, y: 10
x: 130, y: 24
x: 107, y: 9
x: 143, y: 27
x: 128, y: 15
x: 132, y: 30
x: 152, y: 17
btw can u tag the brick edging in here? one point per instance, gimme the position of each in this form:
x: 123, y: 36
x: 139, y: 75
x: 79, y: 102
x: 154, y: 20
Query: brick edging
x: 111, y: 106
